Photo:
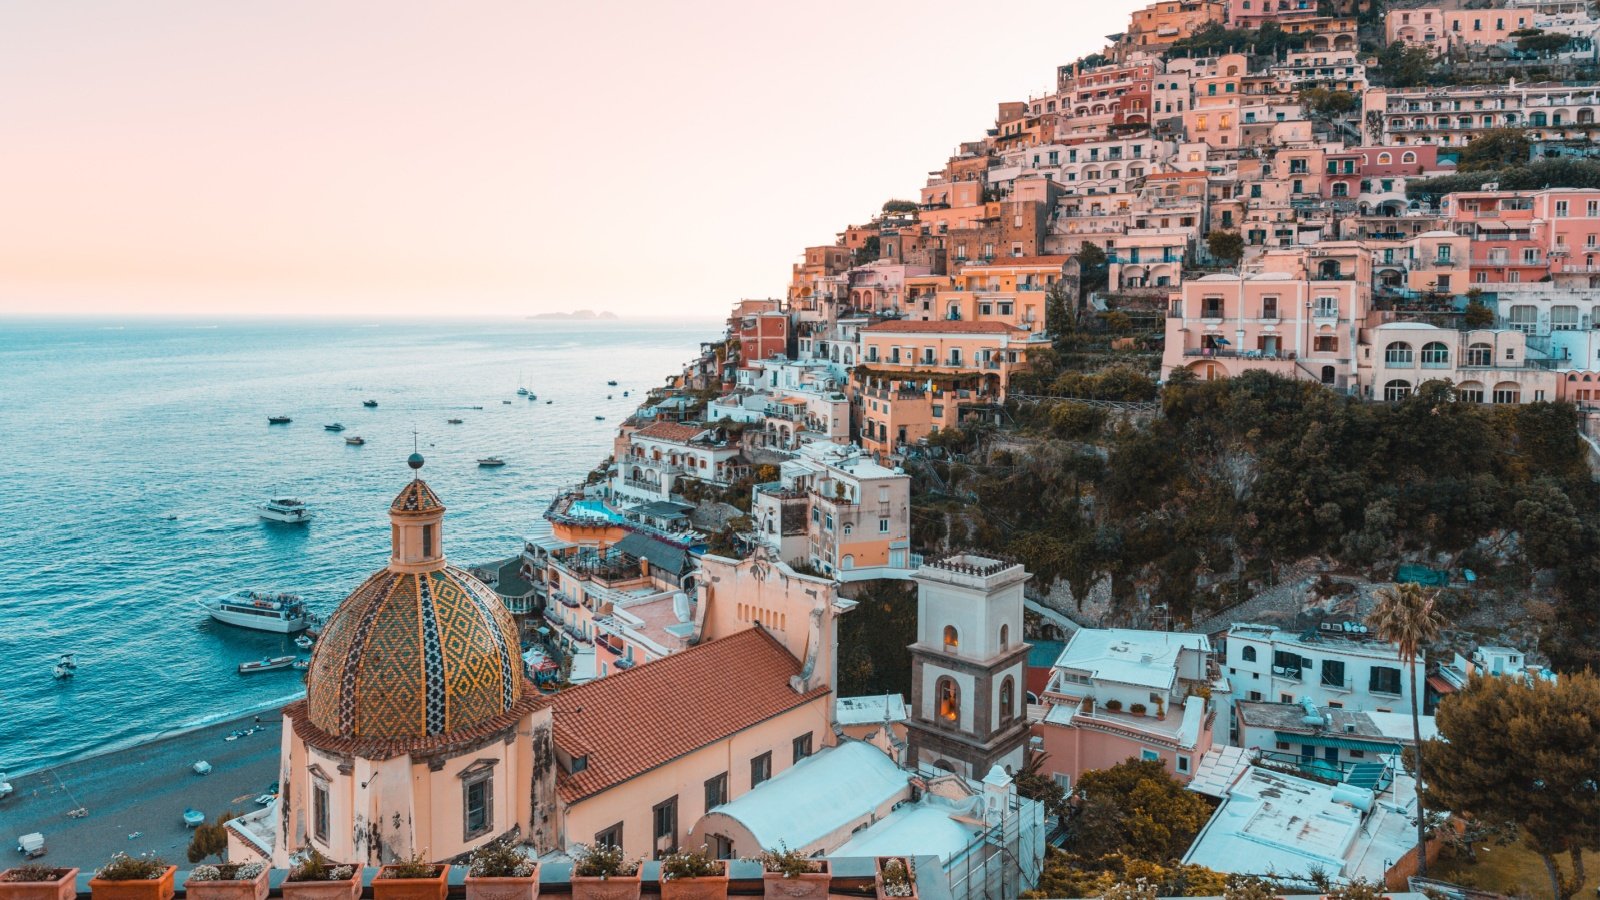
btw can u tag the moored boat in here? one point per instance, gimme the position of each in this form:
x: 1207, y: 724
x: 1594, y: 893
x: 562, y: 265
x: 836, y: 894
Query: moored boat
x: 612, y: 383
x: 305, y: 642
x: 260, y: 610
x: 370, y: 404
x: 355, y: 440
x: 334, y: 426
x: 278, y: 420
x: 491, y: 462
x: 266, y: 664
x: 193, y: 818
x: 285, y: 509
x: 452, y: 421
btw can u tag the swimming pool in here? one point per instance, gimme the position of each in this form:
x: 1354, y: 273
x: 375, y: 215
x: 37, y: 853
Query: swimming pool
x: 593, y: 509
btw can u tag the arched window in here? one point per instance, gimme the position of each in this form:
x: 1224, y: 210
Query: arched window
x: 1508, y: 392
x: 1005, y: 637
x: 1396, y: 390
x: 1398, y: 353
x: 949, y: 700
x: 1385, y: 159
x: 1469, y: 392
x: 1480, y: 354
x: 1435, y: 354
x: 952, y: 640
x: 1248, y: 654
x: 1408, y: 157
x: 1008, y: 699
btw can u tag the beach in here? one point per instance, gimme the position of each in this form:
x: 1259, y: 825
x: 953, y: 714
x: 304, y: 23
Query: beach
x: 142, y: 789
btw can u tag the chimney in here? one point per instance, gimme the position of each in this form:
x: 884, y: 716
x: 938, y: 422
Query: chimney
x: 644, y: 567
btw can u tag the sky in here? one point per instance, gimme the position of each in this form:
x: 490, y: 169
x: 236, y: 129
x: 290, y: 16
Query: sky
x: 491, y: 157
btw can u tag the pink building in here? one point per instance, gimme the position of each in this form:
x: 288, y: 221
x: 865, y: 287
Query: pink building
x: 1117, y: 694
x: 1253, y: 14
x: 1526, y: 236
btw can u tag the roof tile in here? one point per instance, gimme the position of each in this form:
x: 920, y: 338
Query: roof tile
x: 670, y: 431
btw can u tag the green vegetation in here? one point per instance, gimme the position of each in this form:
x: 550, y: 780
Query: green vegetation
x: 1401, y: 65
x: 873, y: 658
x: 1269, y: 40
x: 1329, y: 103
x: 1408, y: 617
x: 210, y: 838
x: 1555, y: 173
x: 1494, y: 149
x: 1093, y: 269
x: 1226, y: 246
x: 897, y: 207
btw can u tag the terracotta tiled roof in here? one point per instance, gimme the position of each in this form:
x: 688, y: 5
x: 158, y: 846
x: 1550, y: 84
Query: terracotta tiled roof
x: 631, y: 722
x: 941, y: 326
x: 416, y: 496
x: 670, y: 431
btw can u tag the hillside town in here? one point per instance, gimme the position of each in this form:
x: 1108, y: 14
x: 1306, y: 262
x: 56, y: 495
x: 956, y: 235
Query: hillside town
x: 894, y: 575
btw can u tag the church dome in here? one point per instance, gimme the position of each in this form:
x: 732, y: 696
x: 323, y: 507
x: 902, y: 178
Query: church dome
x: 420, y: 649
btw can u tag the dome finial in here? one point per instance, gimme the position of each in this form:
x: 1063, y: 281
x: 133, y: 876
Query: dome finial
x: 415, y: 459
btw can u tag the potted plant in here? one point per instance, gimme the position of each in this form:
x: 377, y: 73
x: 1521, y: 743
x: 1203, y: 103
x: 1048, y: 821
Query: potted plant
x: 33, y: 881
x: 411, y: 879
x: 896, y: 877
x: 1114, y: 705
x: 312, y: 877
x: 227, y: 881
x: 791, y: 875
x: 601, y: 872
x: 694, y: 875
x: 1137, y: 709
x: 133, y: 878
x: 498, y: 871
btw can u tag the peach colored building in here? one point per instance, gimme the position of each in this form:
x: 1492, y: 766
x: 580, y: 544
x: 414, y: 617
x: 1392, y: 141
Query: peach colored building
x: 1116, y: 694
x: 1528, y: 236
x: 1010, y: 291
x: 1484, y: 365
x: 1443, y: 26
x: 1166, y: 21
x: 838, y: 511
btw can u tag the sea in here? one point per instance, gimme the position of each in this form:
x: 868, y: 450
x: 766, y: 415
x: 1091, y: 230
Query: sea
x: 133, y: 456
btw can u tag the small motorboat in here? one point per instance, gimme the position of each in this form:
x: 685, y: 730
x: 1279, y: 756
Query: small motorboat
x: 599, y: 418
x: 612, y: 383
x: 491, y: 462
x: 304, y: 642
x: 285, y: 509
x: 370, y: 404
x: 333, y: 427
x: 193, y: 818
x: 301, y: 665
x: 452, y: 421
x: 31, y: 845
x: 67, y: 662
x: 355, y: 440
x: 62, y: 673
x: 278, y: 420
x: 506, y: 402
x: 522, y: 392
x: 533, y: 396
x: 5, y: 786
x: 624, y: 393
x: 266, y: 664
x: 608, y: 397
x: 264, y: 799
x: 201, y: 768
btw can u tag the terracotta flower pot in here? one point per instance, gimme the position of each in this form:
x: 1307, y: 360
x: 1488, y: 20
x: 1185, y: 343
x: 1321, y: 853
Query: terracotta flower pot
x: 881, y: 890
x: 509, y: 888
x: 709, y: 887
x: 65, y: 887
x: 617, y: 887
x: 348, y: 889
x: 137, y: 889
x: 387, y: 887
x: 254, y: 889
x: 809, y: 886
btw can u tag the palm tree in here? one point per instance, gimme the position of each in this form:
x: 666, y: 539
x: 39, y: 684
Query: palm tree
x: 1408, y: 617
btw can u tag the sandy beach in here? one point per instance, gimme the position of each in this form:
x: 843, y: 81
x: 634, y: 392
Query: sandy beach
x: 141, y: 790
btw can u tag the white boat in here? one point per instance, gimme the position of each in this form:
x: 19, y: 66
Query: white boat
x: 202, y: 768
x: 522, y: 392
x: 260, y: 610
x: 266, y: 664
x: 285, y: 509
x: 452, y: 421
x: 305, y: 642
x: 491, y: 462
x: 355, y: 440
x: 61, y: 672
x: 193, y: 818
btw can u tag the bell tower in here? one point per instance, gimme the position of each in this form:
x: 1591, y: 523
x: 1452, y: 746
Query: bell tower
x: 969, y: 711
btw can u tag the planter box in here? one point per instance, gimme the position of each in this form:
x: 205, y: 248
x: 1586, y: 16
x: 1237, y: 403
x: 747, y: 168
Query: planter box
x: 65, y: 887
x: 348, y: 889
x: 877, y: 881
x: 512, y: 888
x: 810, y: 886
x: 617, y: 887
x: 385, y: 887
x: 254, y: 889
x: 141, y: 889
x: 710, y: 887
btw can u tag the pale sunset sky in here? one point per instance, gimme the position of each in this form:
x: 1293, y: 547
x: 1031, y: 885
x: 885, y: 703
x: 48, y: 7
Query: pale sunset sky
x: 492, y: 157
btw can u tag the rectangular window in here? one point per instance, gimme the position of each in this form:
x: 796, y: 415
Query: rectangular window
x: 1333, y: 673
x: 716, y: 791
x: 1064, y: 780
x: 319, y: 810
x: 1384, y: 680
x: 1183, y: 764
x: 1325, y: 344
x: 664, y: 831
x: 760, y: 768
x: 883, y: 526
x: 427, y: 541
x: 1561, y: 209
x: 477, y: 798
x: 1149, y: 755
x: 611, y: 837
x: 1269, y: 307
x: 802, y: 746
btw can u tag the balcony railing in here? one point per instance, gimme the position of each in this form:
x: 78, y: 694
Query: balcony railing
x: 1239, y: 354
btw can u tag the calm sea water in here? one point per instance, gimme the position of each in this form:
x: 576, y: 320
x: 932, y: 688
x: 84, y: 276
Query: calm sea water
x: 135, y: 454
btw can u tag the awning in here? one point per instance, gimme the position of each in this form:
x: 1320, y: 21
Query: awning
x: 1343, y: 743
x: 1438, y: 683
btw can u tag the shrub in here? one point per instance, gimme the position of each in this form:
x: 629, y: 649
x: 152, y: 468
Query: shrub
x: 499, y: 859
x: 792, y: 863
x: 226, y: 872
x: 1137, y: 709
x: 313, y: 866
x: 123, y: 867
x: 602, y: 861
x: 414, y: 866
x: 32, y: 872
x: 690, y: 864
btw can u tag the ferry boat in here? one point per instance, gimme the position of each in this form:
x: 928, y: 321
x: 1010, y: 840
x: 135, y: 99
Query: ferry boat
x: 355, y: 440
x: 370, y: 404
x: 285, y: 509
x: 491, y: 462
x: 333, y: 427
x: 266, y: 664
x: 278, y: 420
x: 260, y: 610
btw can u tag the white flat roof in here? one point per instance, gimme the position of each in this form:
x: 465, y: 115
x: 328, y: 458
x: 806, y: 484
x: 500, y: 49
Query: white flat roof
x: 869, y: 710
x: 819, y: 795
x: 923, y: 829
x: 1126, y: 656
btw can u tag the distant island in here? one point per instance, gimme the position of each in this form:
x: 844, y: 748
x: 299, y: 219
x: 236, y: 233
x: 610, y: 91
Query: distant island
x: 577, y: 315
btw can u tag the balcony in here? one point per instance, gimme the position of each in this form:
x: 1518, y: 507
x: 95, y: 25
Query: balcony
x: 1208, y: 352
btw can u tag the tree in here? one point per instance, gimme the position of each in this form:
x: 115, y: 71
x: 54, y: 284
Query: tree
x: 894, y: 207
x: 1059, y: 318
x: 1525, y: 753
x: 1225, y: 245
x: 1401, y: 65
x: 1541, y: 43
x: 1093, y: 268
x: 1035, y: 785
x: 210, y: 839
x: 1136, y: 808
x: 1408, y: 617
x: 1477, y: 314
x: 1494, y: 149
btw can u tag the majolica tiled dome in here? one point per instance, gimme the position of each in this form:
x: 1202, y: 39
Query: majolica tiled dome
x: 413, y: 654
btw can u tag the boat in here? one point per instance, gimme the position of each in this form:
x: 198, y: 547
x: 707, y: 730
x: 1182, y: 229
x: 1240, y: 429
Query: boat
x: 522, y: 392
x: 301, y: 665
x: 31, y: 845
x: 264, y: 799
x: 67, y: 662
x: 370, y: 404
x: 491, y: 462
x: 61, y: 672
x: 452, y: 421
x: 599, y: 418
x: 193, y: 818
x: 278, y: 420
x: 506, y: 402
x: 355, y: 440
x: 260, y: 610
x: 547, y: 402
x: 333, y: 427
x: 201, y: 768
x: 285, y: 509
x: 533, y: 396
x: 305, y: 642
x: 5, y: 786
x: 266, y: 664
x: 612, y: 383
x: 624, y: 393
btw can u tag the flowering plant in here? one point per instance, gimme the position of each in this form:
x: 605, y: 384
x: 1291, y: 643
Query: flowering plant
x: 601, y: 861
x: 123, y: 867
